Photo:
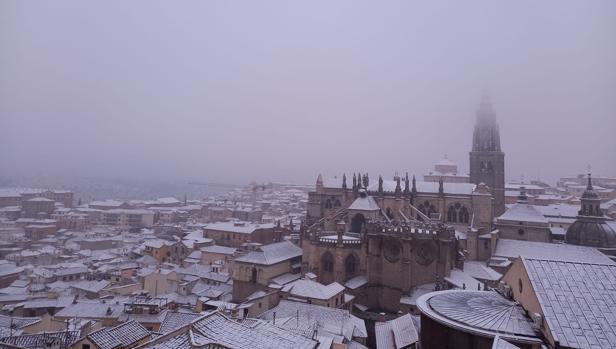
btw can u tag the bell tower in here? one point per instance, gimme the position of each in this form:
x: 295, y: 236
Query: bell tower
x: 487, y: 161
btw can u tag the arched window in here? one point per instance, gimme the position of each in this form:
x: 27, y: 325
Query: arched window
x: 350, y: 265
x: 327, y: 262
x: 328, y: 204
x: 463, y: 216
x: 253, y: 276
x: 337, y: 203
x: 427, y: 208
x: 452, y: 214
x: 357, y: 223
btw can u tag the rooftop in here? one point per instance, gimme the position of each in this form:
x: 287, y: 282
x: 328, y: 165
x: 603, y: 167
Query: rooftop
x: 237, y: 227
x: 578, y: 301
x: 486, y: 313
x: 312, y: 289
x: 559, y: 252
x: 272, y: 253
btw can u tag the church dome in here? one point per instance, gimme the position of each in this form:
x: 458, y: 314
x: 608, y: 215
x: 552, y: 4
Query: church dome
x: 591, y: 228
x: 592, y: 232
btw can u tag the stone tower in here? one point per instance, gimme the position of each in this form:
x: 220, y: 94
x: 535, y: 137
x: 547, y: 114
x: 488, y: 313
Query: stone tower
x: 487, y: 161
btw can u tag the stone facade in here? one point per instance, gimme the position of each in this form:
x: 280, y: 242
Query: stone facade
x: 394, y: 257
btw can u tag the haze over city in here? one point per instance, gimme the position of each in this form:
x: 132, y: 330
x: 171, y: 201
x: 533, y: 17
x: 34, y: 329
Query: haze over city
x: 282, y: 91
x: 324, y: 174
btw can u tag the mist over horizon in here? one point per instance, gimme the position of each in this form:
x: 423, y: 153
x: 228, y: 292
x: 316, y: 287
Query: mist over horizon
x: 274, y: 91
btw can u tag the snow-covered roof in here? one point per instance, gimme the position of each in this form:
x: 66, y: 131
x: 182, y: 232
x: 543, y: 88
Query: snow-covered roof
x: 175, y: 320
x: 91, y: 310
x: 286, y: 278
x: 272, y: 253
x: 304, y: 317
x: 396, y: 334
x: 366, y: 203
x: 479, y: 270
x: 522, y: 212
x: 91, y: 285
x: 576, y: 293
x: 512, y: 249
x: 313, y: 289
x: 122, y: 336
x: 216, y: 330
x: 461, y: 279
x: 356, y: 282
x: 218, y: 249
x: 238, y: 227
x: 481, y: 312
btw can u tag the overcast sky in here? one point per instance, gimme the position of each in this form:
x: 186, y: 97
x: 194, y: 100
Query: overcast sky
x: 281, y: 90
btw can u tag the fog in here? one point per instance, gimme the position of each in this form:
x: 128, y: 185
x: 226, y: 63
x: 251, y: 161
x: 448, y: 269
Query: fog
x: 233, y: 91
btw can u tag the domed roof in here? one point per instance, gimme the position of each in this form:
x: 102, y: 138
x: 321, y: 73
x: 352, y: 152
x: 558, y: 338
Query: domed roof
x: 592, y: 231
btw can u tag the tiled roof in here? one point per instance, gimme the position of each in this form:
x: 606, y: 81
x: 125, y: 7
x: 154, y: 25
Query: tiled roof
x: 216, y: 328
x: 91, y: 310
x: 42, y: 340
x: 17, y: 322
x: 217, y: 331
x: 395, y: 334
x: 303, y: 317
x: 578, y: 301
x: 175, y: 320
x: 120, y: 336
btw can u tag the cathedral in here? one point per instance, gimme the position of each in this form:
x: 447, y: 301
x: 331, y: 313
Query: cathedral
x: 395, y: 234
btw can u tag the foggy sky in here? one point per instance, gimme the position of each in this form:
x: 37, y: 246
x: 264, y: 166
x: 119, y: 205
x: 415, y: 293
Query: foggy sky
x: 232, y: 91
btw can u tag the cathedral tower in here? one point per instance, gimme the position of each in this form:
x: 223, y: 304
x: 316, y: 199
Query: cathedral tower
x: 487, y: 161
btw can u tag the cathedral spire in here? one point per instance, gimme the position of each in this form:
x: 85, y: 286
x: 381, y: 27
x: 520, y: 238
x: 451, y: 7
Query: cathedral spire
x: 380, y: 185
x: 406, y: 184
x: 441, y: 189
x: 319, y: 182
x: 354, y: 182
x: 486, y: 136
x: 344, y: 185
x: 398, y: 188
x: 414, y: 188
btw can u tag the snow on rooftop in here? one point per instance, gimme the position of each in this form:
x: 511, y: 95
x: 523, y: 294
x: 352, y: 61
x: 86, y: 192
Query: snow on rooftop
x: 522, y: 212
x: 576, y: 293
x: 313, y: 289
x: 272, y: 253
x: 512, y: 249
x: 366, y: 203
x: 238, y: 227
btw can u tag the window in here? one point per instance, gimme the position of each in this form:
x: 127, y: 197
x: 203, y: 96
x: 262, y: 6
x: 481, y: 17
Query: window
x: 350, y: 265
x: 357, y: 223
x: 520, y: 232
x: 253, y: 276
x: 520, y: 285
x: 85, y: 346
x: 327, y: 262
